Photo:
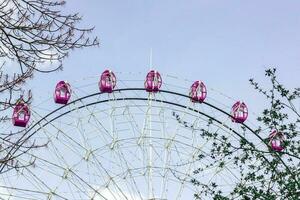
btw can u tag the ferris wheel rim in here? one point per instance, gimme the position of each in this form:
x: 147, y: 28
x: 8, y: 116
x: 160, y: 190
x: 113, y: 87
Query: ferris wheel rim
x: 67, y: 109
x: 142, y: 99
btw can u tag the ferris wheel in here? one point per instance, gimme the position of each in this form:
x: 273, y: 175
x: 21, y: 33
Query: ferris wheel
x: 118, y: 138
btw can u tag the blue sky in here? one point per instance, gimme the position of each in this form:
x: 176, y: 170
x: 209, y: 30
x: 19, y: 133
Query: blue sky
x: 223, y: 43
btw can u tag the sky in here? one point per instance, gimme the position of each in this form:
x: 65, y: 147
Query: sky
x: 223, y: 43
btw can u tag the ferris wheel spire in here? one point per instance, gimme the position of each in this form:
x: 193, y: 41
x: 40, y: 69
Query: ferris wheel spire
x: 150, y: 59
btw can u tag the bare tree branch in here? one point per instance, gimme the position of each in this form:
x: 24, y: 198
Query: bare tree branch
x: 33, y: 33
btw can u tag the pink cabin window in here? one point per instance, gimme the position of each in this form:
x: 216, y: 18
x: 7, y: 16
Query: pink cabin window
x: 153, y: 81
x: 239, y: 112
x: 21, y: 114
x: 62, y: 92
x: 107, y: 81
x: 198, y: 92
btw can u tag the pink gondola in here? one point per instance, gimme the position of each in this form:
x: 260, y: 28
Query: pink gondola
x: 21, y: 114
x: 276, y: 140
x: 153, y: 81
x: 107, y: 81
x: 198, y: 92
x: 62, y: 93
x: 239, y: 112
